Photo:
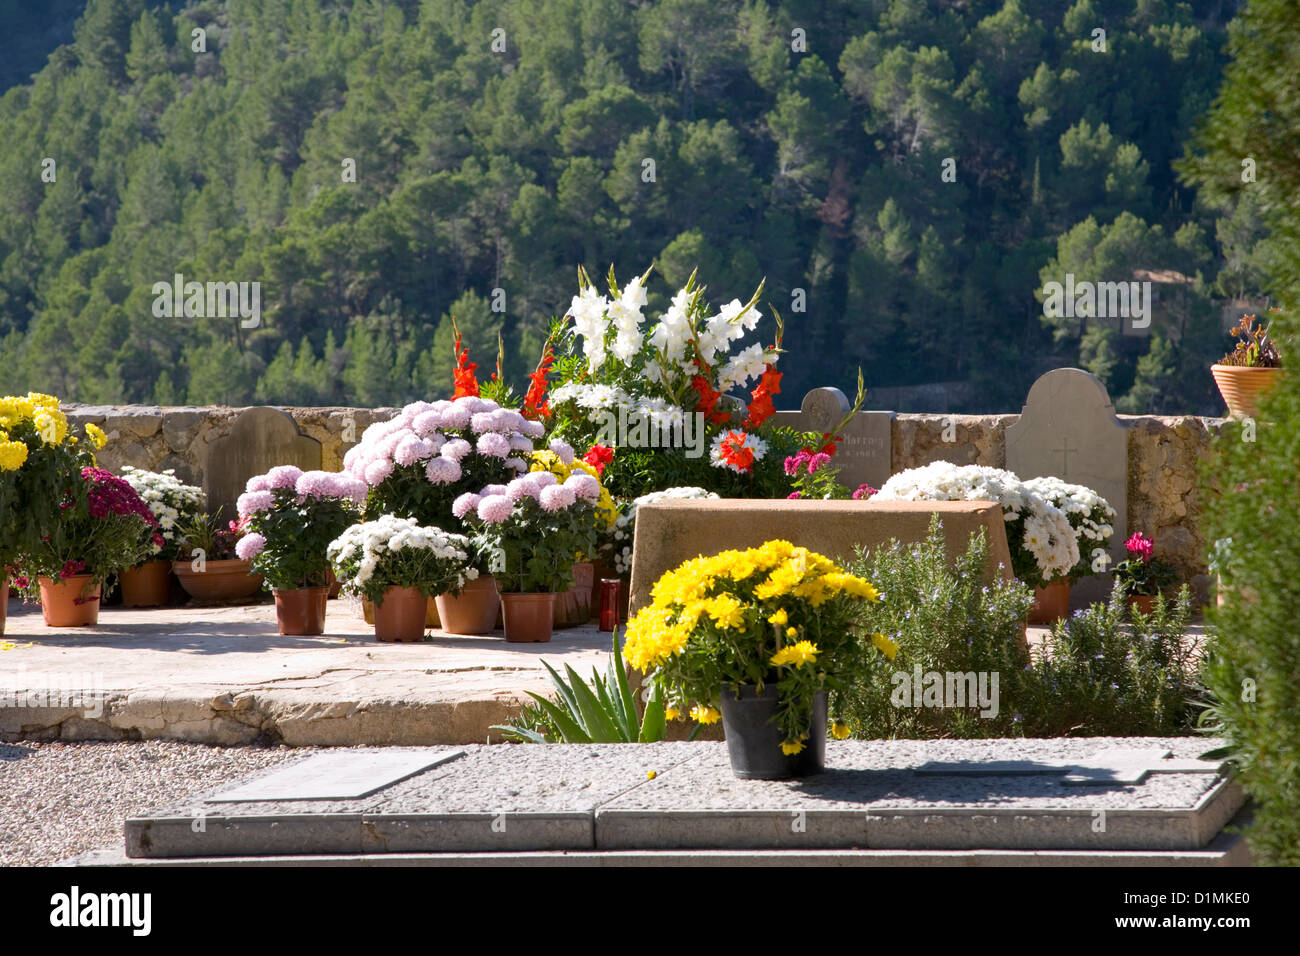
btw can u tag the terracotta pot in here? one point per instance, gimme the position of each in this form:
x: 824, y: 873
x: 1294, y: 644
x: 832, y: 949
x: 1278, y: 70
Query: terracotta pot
x: 573, y: 607
x: 400, y: 616
x: 146, y: 585
x: 1051, y: 603
x: 1146, y: 603
x: 528, y: 618
x: 4, y: 601
x: 430, y: 612
x: 1242, y: 387
x: 300, y: 612
x: 226, y: 580
x: 334, y: 586
x: 474, y: 611
x: 72, y: 602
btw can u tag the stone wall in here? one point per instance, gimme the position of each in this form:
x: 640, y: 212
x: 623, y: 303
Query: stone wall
x: 1162, y: 455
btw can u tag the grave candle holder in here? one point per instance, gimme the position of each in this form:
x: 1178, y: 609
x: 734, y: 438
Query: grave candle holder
x: 609, y: 603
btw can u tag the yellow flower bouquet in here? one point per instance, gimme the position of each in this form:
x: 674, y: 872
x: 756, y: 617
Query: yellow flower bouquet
x: 774, y: 616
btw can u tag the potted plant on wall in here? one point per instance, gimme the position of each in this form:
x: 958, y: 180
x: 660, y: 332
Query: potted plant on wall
x: 398, y: 565
x: 533, y: 528
x: 174, y: 504
x: 763, y: 633
x: 1249, y: 370
x: 1142, y: 576
x: 97, y: 525
x: 289, y: 518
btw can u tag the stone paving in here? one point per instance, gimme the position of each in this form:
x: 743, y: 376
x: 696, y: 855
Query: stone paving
x: 223, y: 675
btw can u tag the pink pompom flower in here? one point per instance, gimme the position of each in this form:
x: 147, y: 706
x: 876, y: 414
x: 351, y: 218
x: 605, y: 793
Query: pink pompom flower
x: 377, y: 470
x: 556, y: 498
x: 283, y: 476
x: 495, y: 509
x: 258, y: 483
x: 250, y: 546
x: 464, y: 504
x: 442, y: 471
x: 563, y: 450
x: 493, y: 445
x: 583, y: 486
x: 456, y: 449
x: 251, y: 502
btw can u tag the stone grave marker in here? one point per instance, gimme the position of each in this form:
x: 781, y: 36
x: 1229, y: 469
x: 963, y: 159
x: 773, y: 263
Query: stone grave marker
x: 864, y: 454
x: 337, y: 776
x: 261, y: 438
x: 1126, y: 765
x: 1068, y: 430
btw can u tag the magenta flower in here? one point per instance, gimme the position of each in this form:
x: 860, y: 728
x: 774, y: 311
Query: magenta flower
x: 864, y: 491
x: 250, y: 546
x: 793, y: 494
x: 794, y: 462
x: 1140, y: 545
x: 817, y: 460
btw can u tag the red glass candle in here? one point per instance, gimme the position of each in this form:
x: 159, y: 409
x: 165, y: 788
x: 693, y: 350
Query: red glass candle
x: 609, y: 603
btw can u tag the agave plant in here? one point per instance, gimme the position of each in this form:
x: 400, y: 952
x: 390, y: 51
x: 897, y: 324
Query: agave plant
x: 602, y: 712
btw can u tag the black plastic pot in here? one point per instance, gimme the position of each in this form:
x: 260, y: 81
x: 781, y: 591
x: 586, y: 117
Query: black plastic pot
x: 754, y: 739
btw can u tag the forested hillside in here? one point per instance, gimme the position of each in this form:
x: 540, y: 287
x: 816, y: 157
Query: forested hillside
x: 499, y: 144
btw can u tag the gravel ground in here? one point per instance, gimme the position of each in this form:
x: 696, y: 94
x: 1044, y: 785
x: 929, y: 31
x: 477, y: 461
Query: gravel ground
x: 60, y: 799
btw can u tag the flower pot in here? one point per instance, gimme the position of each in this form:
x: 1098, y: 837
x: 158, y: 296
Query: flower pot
x: 528, y: 618
x: 300, y: 612
x: 1241, y: 387
x: 71, y: 602
x: 1146, y: 603
x: 573, y: 607
x: 146, y: 585
x: 226, y: 580
x: 4, y: 601
x: 1051, y: 603
x: 754, y: 738
x: 334, y: 586
x: 400, y: 616
x: 430, y: 612
x: 474, y: 611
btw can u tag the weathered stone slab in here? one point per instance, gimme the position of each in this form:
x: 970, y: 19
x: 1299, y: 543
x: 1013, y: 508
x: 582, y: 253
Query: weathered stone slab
x: 1068, y: 429
x: 612, y: 798
x: 864, y: 454
x: 670, y: 532
x: 1112, y: 765
x: 261, y: 438
x: 342, y: 775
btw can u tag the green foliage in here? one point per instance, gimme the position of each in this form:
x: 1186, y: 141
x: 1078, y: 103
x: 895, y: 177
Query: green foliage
x: 477, y: 171
x: 1254, y: 662
x: 1107, y: 670
x: 603, y: 711
x: 297, y: 535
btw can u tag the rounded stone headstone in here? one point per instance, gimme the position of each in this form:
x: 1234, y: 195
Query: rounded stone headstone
x: 261, y: 438
x: 823, y: 408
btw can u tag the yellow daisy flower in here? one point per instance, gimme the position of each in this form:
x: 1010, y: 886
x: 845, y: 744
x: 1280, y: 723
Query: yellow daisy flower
x: 795, y: 654
x: 885, y: 645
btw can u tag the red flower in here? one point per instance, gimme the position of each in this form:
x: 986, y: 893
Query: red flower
x: 761, y: 408
x: 708, y: 400
x: 463, y: 375
x: 72, y: 567
x: 598, y: 457
x: 734, y: 451
x: 535, y: 405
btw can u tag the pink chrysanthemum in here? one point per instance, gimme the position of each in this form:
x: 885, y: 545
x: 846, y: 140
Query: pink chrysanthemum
x: 523, y: 487
x: 464, y: 504
x: 412, y: 449
x: 494, y: 509
x: 250, y: 546
x: 442, y: 471
x: 518, y: 464
x: 533, y: 429
x: 544, y: 478
x: 377, y: 470
x: 283, y: 476
x: 556, y: 497
x: 456, y: 449
x: 258, y: 483
x: 583, y: 485
x: 493, y: 490
x: 493, y: 445
x: 251, y: 502
x: 456, y: 416
x: 426, y: 423
x: 563, y: 450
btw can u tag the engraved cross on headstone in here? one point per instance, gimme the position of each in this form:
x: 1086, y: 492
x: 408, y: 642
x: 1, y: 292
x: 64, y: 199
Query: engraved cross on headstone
x: 1126, y: 765
x: 1065, y: 456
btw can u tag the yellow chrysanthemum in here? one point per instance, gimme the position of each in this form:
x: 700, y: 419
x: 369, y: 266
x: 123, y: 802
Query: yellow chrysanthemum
x: 780, y: 618
x: 795, y: 654
x: 672, y: 713
x: 792, y: 632
x: 839, y: 729
x: 12, y: 455
x: 885, y: 645
x: 96, y: 434
x: 704, y: 714
x: 791, y: 747
x: 727, y: 612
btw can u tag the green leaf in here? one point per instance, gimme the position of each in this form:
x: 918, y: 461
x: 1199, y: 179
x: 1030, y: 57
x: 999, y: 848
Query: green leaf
x: 572, y: 731
x: 598, y: 724
x: 609, y: 709
x: 619, y: 669
x: 566, y: 695
x: 654, y: 726
x: 532, y: 736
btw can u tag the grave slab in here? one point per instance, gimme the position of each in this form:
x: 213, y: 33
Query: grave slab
x: 337, y: 776
x: 864, y: 454
x: 261, y: 438
x: 644, y: 798
x: 670, y: 532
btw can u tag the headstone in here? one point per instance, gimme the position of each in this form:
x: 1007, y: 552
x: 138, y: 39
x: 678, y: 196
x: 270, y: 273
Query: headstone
x: 1068, y: 430
x: 336, y: 776
x: 261, y: 438
x: 864, y: 454
x: 1125, y: 765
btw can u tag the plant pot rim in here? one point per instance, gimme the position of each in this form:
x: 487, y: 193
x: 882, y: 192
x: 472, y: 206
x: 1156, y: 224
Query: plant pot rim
x: 1246, y: 368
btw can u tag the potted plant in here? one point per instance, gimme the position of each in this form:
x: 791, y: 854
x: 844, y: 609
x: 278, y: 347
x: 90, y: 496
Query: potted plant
x: 398, y: 565
x: 1091, y: 519
x: 1142, y: 576
x: 206, y: 563
x: 97, y: 525
x: 1249, y: 370
x: 754, y: 638
x: 174, y: 504
x: 534, y: 528
x: 289, y: 517
x: 419, y: 462
x: 1044, y: 548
